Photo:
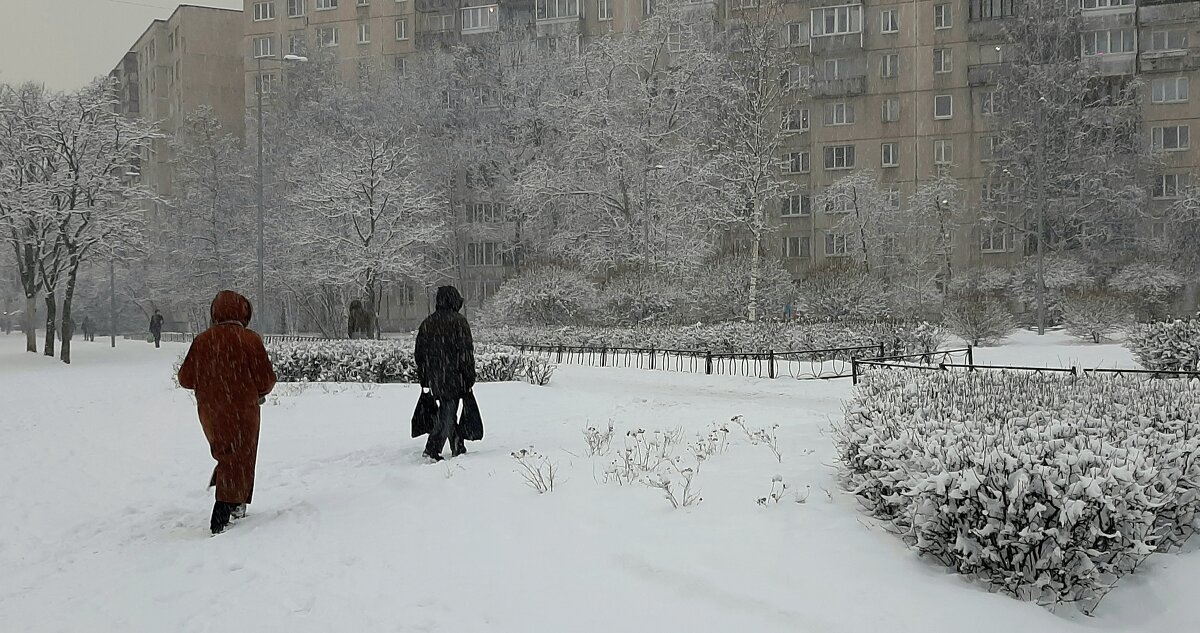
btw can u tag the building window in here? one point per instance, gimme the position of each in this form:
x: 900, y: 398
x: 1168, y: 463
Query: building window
x: 991, y: 9
x: 326, y: 5
x: 796, y: 246
x: 989, y: 148
x: 941, y: 60
x: 889, y: 65
x: 943, y: 152
x: 989, y: 103
x: 1109, y: 42
x: 402, y: 29
x: 795, y: 77
x: 1105, y: 4
x: 836, y: 244
x: 1171, y: 138
x: 796, y: 120
x: 675, y: 39
x: 557, y: 9
x: 796, y: 163
x: 995, y: 238
x: 839, y: 157
x: 481, y: 19
x: 842, y: 20
x: 890, y: 155
x: 891, y: 109
x: 1172, y: 40
x: 943, y: 106
x: 297, y: 44
x: 838, y: 68
x: 296, y: 8
x: 739, y: 5
x: 264, y: 11
x: 400, y: 65
x: 943, y: 18
x: 796, y: 205
x: 484, y: 254
x: 840, y: 113
x: 889, y: 21
x: 1169, y: 90
x: 604, y: 10
x: 486, y: 213
x: 364, y: 3
x: 264, y: 46
x: 796, y: 34
x: 1167, y: 186
x: 647, y: 7
x: 439, y: 22
x: 364, y: 33
x: 266, y: 83
x: 327, y: 36
x: 892, y: 197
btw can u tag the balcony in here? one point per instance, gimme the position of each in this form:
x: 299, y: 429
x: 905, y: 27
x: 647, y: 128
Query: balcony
x: 845, y: 87
x: 1114, y: 64
x: 987, y: 30
x: 836, y: 43
x: 986, y: 74
x: 1170, y: 61
x: 1153, y: 12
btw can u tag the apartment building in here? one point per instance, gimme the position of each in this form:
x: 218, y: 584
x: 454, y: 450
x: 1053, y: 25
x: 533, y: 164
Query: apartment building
x: 178, y: 64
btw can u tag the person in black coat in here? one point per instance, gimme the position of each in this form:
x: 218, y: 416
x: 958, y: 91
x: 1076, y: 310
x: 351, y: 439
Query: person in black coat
x: 358, y: 325
x: 156, y: 326
x: 445, y: 358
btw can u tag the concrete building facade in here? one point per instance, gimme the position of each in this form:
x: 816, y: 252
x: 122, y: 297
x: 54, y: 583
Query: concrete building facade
x: 189, y: 60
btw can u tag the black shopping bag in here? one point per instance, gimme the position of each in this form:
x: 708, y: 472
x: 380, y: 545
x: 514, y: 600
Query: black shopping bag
x: 470, y: 425
x: 425, y: 416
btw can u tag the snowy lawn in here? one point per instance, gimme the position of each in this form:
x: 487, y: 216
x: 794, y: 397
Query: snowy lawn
x: 104, y: 466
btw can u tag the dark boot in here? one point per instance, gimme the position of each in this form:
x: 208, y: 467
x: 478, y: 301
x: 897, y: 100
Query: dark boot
x: 458, y: 446
x: 220, y: 516
x: 238, y: 512
x: 436, y: 457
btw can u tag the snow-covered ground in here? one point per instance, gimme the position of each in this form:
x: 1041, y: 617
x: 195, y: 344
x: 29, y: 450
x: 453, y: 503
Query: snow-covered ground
x: 102, y: 489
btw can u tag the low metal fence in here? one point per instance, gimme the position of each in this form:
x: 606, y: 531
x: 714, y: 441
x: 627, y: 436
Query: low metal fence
x: 936, y: 361
x: 834, y: 362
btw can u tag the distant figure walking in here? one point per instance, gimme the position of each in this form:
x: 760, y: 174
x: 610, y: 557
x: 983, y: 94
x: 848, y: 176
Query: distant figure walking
x: 156, y: 323
x: 89, y: 329
x: 228, y: 368
x: 445, y: 358
x: 359, y: 323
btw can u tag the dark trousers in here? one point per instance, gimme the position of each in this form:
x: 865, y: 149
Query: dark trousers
x: 157, y: 338
x: 446, y: 429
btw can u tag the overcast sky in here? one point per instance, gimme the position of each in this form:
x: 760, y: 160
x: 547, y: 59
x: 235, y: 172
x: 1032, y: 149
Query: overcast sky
x: 65, y: 43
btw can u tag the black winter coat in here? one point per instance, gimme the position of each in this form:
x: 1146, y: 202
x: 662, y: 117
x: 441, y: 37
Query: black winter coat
x: 445, y: 353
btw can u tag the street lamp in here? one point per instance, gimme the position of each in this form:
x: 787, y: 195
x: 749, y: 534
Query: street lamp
x: 261, y: 298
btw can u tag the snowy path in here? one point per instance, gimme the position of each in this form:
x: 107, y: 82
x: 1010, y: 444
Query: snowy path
x: 352, y: 532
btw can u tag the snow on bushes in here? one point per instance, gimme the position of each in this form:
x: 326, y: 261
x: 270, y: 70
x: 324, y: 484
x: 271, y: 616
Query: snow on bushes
x: 1152, y: 288
x: 1095, y: 315
x: 552, y: 295
x: 1166, y: 345
x: 897, y: 338
x: 979, y: 320
x: 1047, y: 487
x: 369, y: 361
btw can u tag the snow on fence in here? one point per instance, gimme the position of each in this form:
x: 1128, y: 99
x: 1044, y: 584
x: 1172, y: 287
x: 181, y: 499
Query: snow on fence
x: 938, y: 360
x: 834, y: 362
x: 945, y: 360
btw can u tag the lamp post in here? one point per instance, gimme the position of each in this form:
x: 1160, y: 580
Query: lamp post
x: 261, y: 297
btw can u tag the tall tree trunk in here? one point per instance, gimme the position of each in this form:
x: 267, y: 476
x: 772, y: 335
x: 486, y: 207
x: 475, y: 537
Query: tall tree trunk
x: 51, y: 313
x: 29, y: 321
x: 68, y: 330
x: 755, y: 272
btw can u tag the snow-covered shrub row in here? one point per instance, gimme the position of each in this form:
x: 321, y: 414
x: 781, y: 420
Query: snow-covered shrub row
x: 1167, y: 345
x: 386, y: 361
x: 729, y: 337
x: 1047, y: 487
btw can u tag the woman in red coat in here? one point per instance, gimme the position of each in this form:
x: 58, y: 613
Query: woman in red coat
x: 228, y: 368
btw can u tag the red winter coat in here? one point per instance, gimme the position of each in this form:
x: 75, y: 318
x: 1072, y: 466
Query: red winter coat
x: 228, y: 368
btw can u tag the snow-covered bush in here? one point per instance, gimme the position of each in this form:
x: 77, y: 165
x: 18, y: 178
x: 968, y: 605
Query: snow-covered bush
x: 897, y: 338
x: 987, y: 281
x: 979, y: 320
x: 640, y: 298
x: 385, y: 361
x: 1151, y: 288
x: 1064, y: 275
x: 547, y: 296
x: 1048, y: 487
x: 1095, y: 315
x: 841, y: 293
x: 1166, y: 345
